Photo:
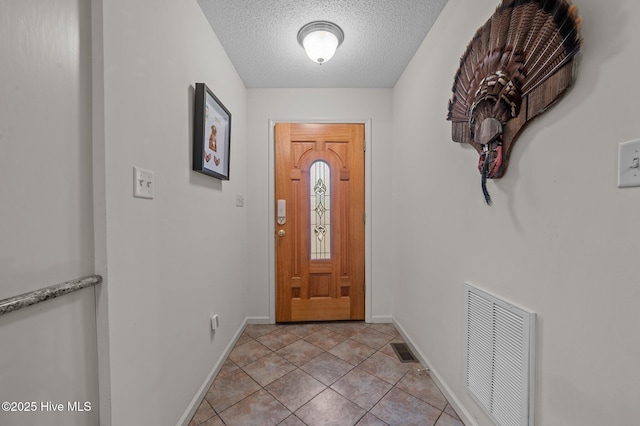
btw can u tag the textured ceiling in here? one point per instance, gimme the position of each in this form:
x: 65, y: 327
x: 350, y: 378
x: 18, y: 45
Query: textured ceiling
x: 381, y: 37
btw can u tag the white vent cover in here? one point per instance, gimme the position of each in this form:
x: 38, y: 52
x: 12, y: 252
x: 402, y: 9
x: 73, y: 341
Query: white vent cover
x: 499, y: 357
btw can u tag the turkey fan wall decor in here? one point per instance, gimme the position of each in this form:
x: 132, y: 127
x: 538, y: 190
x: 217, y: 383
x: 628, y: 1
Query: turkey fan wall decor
x: 515, y: 67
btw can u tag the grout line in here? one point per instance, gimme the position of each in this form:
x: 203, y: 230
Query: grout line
x: 325, y: 387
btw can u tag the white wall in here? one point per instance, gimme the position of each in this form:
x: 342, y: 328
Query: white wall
x: 170, y: 262
x: 46, y: 229
x: 561, y: 239
x: 321, y: 105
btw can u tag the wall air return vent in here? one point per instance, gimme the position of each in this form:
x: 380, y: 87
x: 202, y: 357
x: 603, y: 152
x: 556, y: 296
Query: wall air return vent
x: 500, y: 357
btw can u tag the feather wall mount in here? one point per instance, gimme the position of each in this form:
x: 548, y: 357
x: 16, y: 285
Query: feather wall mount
x: 516, y: 66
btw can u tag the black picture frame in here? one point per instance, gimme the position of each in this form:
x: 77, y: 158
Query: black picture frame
x: 211, y: 134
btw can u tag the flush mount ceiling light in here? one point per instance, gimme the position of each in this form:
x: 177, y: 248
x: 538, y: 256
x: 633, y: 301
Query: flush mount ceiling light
x: 320, y: 39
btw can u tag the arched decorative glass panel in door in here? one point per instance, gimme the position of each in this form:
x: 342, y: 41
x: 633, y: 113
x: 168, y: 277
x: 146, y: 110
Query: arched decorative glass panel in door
x: 320, y: 202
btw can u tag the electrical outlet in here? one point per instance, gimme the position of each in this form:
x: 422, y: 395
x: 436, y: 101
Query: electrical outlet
x: 142, y: 183
x: 239, y: 200
x: 214, y: 322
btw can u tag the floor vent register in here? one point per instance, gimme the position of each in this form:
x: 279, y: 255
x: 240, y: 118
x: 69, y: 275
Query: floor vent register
x: 403, y: 352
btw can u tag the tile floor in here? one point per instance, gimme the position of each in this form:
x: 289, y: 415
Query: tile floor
x: 341, y: 373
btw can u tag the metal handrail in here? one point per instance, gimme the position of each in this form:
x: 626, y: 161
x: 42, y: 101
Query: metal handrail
x: 31, y: 298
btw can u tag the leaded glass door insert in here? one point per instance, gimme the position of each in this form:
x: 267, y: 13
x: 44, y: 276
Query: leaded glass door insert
x: 320, y: 203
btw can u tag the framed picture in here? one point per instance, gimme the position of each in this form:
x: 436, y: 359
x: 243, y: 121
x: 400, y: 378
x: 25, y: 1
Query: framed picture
x: 211, y: 134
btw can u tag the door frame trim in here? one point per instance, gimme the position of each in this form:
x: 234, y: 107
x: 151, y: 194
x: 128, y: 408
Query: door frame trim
x: 367, y: 208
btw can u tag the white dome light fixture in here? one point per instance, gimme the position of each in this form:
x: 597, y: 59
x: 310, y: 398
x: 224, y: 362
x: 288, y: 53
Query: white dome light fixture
x: 320, y: 39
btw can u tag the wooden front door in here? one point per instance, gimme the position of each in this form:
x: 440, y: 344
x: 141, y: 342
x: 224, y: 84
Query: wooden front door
x: 320, y: 242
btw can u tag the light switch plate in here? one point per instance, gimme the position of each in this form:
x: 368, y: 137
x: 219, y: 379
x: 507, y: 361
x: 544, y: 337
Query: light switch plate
x: 239, y: 200
x: 629, y: 164
x: 142, y: 183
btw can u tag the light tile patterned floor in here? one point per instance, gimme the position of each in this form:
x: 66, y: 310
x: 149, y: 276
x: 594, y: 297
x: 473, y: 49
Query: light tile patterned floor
x: 341, y: 373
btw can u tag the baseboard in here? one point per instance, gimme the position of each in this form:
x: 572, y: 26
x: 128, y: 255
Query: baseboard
x: 258, y: 320
x: 381, y: 319
x: 197, y: 399
x: 460, y: 409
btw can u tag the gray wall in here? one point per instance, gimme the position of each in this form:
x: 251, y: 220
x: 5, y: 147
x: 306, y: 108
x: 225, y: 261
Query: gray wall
x: 171, y: 262
x: 561, y: 239
x: 46, y: 227
x: 357, y: 105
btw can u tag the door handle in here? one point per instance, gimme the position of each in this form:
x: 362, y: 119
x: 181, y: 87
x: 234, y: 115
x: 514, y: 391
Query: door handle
x: 281, y: 233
